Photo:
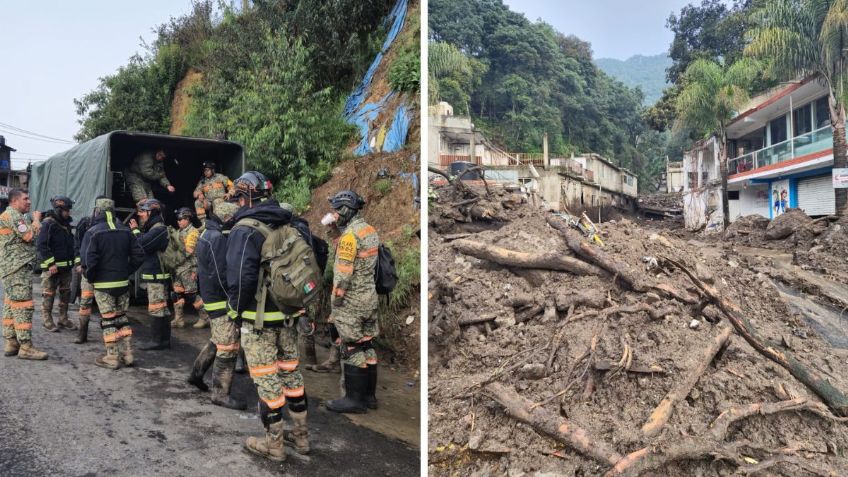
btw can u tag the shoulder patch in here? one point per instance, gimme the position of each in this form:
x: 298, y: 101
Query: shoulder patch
x: 347, y: 247
x: 22, y: 227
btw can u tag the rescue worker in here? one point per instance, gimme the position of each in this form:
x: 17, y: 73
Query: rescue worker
x: 86, y: 289
x: 110, y: 254
x: 185, y: 275
x: 17, y: 252
x: 212, y: 273
x: 271, y: 351
x: 153, y: 237
x: 147, y: 167
x: 212, y: 188
x: 354, y: 303
x: 55, y: 247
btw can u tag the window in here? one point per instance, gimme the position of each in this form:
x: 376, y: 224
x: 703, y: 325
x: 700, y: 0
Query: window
x: 778, y: 130
x: 733, y: 195
x: 822, y: 112
x: 802, y: 119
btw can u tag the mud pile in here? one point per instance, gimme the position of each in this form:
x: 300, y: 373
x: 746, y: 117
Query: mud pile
x: 535, y: 370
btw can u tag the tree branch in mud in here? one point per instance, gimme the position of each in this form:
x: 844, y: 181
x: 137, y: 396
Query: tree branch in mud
x: 511, y: 258
x: 663, y: 411
x: 834, y: 398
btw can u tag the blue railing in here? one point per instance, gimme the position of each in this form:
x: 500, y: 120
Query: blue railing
x: 815, y: 141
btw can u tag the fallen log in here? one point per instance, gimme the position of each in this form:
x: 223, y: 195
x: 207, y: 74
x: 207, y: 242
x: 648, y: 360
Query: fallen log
x: 552, y: 425
x: 476, y: 320
x: 511, y: 258
x: 834, y: 398
x: 663, y: 411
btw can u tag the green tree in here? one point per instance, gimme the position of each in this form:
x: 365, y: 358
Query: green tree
x: 808, y: 37
x: 707, y: 103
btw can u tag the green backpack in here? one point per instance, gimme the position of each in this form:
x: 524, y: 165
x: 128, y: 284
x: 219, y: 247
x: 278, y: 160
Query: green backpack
x: 288, y: 270
x: 172, y: 256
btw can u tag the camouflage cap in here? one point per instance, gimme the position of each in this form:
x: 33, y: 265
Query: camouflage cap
x: 225, y: 210
x: 104, y: 204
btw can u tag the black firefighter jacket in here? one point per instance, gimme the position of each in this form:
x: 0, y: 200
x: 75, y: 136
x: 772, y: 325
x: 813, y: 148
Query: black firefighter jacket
x: 110, y: 254
x: 211, y: 253
x: 55, y: 242
x: 153, y: 238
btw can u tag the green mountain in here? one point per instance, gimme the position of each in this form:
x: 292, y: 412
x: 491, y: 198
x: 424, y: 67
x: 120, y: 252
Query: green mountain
x: 646, y: 72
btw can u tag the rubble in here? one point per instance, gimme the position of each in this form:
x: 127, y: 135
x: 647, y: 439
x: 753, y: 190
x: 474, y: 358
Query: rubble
x: 593, y: 373
x: 667, y: 205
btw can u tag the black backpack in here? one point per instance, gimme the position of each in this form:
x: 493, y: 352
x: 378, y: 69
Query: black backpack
x: 385, y: 276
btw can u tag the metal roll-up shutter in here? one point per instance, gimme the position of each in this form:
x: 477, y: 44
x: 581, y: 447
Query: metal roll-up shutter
x: 815, y: 195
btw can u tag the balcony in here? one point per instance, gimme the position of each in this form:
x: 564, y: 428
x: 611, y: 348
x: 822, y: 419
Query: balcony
x: 799, y: 146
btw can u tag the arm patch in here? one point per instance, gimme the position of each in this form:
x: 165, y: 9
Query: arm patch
x: 347, y: 247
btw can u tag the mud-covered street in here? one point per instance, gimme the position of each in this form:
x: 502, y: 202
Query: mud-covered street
x: 65, y: 416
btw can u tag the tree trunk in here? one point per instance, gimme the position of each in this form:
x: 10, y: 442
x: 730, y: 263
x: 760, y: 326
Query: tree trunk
x: 840, y: 150
x: 722, y: 164
x: 511, y: 258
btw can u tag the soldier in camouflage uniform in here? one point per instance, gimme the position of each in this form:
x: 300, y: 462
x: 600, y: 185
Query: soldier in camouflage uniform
x: 86, y: 288
x: 17, y: 251
x: 271, y: 348
x: 354, y: 303
x: 147, y: 167
x: 110, y: 254
x: 185, y: 274
x: 213, y: 187
x: 55, y: 247
x: 153, y: 237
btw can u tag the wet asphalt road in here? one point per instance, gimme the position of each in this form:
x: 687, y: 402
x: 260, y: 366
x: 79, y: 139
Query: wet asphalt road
x: 65, y: 416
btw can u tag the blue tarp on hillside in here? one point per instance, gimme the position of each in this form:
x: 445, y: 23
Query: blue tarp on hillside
x: 363, y: 114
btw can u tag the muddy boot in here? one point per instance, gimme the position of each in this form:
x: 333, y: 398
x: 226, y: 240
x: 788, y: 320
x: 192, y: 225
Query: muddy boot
x: 160, y: 331
x: 201, y: 365
x: 356, y: 386
x: 47, y: 313
x: 298, y: 436
x: 82, y: 333
x: 222, y: 381
x: 110, y: 360
x: 179, y: 318
x: 11, y: 347
x: 240, y: 362
x: 203, y: 320
x: 271, y: 446
x: 331, y: 364
x: 28, y: 351
x: 64, y: 322
x: 125, y: 351
x: 371, y: 391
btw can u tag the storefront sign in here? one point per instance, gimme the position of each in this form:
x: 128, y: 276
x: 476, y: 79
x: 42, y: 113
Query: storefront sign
x: 840, y: 178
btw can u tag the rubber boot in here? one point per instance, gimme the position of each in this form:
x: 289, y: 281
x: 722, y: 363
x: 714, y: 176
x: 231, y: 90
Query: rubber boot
x: 82, y: 333
x: 330, y: 365
x: 11, y: 347
x: 298, y: 436
x: 47, y: 313
x: 356, y: 386
x: 160, y: 331
x: 179, y: 317
x: 125, y: 351
x: 201, y: 365
x: 371, y: 391
x: 28, y: 351
x: 202, y: 320
x: 222, y: 381
x: 64, y: 322
x: 271, y: 447
x: 110, y: 360
x: 241, y: 361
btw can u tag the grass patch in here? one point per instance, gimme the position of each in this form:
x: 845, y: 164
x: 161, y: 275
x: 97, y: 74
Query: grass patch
x: 383, y: 186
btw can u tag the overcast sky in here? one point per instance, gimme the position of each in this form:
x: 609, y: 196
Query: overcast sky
x: 615, y: 28
x: 54, y: 51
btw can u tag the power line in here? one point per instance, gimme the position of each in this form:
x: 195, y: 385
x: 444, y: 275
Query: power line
x: 51, y: 141
x: 31, y: 153
x: 15, y: 128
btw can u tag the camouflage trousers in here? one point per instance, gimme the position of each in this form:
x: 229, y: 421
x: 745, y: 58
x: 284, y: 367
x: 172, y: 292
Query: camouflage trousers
x: 139, y: 188
x: 157, y: 300
x: 273, y: 361
x: 356, y: 332
x: 51, y: 285
x: 114, y: 321
x: 86, y: 297
x: 225, y: 335
x: 18, y: 305
x: 185, y: 286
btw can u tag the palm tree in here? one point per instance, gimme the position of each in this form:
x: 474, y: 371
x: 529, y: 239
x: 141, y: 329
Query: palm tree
x: 798, y: 38
x: 711, y: 95
x: 443, y: 60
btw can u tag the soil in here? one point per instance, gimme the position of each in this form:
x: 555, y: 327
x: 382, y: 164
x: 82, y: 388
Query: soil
x: 470, y: 434
x: 182, y: 100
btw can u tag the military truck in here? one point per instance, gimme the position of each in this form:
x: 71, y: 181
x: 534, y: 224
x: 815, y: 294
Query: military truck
x: 96, y: 167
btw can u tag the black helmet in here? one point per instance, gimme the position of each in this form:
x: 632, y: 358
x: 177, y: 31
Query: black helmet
x: 209, y: 165
x: 348, y: 198
x: 184, y: 213
x: 62, y: 202
x: 252, y: 184
x: 150, y: 205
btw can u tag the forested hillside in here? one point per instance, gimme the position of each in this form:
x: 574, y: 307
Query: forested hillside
x: 645, y: 72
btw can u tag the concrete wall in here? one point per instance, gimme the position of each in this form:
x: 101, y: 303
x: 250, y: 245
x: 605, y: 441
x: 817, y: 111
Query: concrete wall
x: 753, y: 200
x: 674, y: 180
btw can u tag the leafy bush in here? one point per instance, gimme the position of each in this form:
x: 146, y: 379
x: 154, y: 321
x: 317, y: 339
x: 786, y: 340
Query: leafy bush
x: 383, y: 186
x: 405, y: 72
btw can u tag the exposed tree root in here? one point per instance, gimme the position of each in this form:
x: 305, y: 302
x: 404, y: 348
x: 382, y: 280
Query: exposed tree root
x: 511, y: 258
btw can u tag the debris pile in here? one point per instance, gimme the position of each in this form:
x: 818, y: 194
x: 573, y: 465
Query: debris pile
x: 667, y: 205
x: 650, y: 355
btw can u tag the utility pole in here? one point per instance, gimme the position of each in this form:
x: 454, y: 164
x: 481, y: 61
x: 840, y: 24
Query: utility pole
x: 545, y: 157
